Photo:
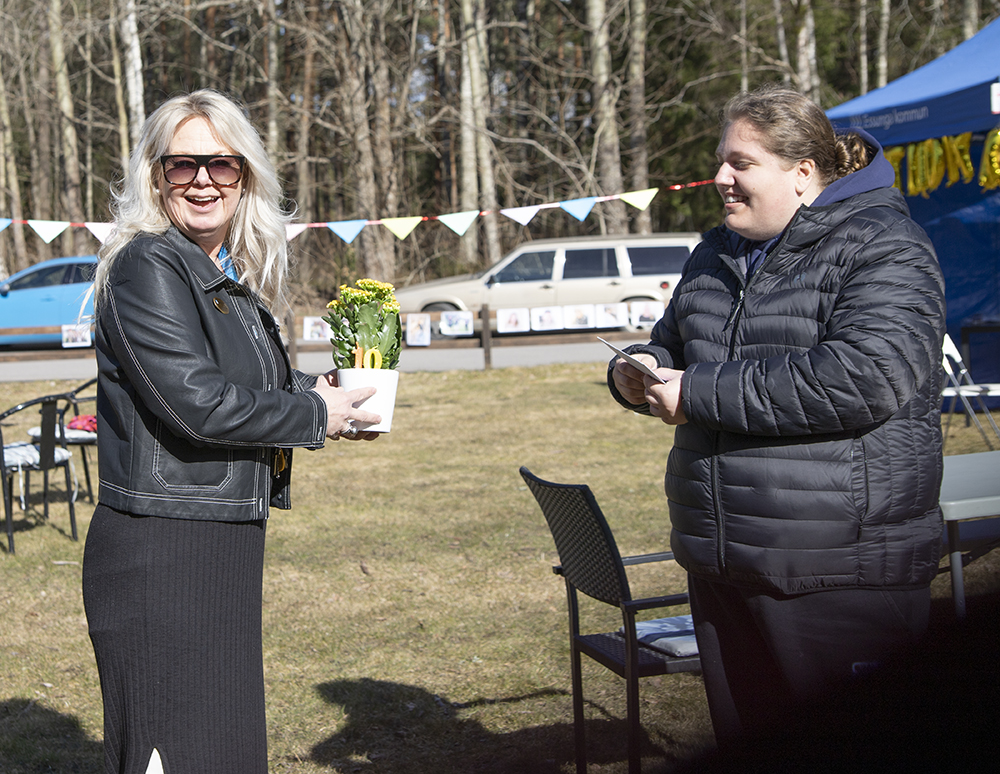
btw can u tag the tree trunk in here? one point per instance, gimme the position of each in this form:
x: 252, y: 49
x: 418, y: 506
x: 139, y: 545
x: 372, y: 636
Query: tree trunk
x: 609, y: 164
x: 474, y: 35
x: 13, y: 186
x: 809, y: 81
x: 467, y: 157
x: 39, y: 122
x: 744, y: 63
x: 779, y: 21
x: 73, y: 204
x: 970, y: 18
x: 882, y: 65
x: 863, y: 44
x: 639, y: 154
x: 271, y: 20
x: 133, y: 72
x: 376, y: 259
x: 116, y: 69
x: 303, y: 168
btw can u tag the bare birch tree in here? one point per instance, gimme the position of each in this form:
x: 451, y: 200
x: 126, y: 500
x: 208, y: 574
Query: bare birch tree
x: 133, y: 72
x: 11, y: 183
x: 469, y: 190
x: 606, y: 139
x: 477, y: 58
x: 638, y: 136
x: 882, y: 61
x: 72, y: 201
x: 863, y: 45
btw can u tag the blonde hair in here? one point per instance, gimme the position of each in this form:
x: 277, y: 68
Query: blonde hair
x: 794, y: 128
x: 257, y: 238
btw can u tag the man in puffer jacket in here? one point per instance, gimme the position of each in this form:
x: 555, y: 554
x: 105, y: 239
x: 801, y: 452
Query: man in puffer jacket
x: 802, y: 353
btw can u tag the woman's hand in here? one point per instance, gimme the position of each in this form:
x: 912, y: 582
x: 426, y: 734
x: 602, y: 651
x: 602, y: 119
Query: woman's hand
x: 629, y: 379
x: 665, y: 399
x: 341, y: 411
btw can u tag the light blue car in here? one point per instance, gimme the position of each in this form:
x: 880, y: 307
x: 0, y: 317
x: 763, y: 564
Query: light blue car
x: 46, y: 295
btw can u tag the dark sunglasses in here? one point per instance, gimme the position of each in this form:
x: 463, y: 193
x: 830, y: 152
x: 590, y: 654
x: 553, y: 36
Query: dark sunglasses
x: 183, y: 169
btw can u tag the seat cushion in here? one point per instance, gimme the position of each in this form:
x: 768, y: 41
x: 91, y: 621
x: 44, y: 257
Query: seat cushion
x: 72, y: 435
x: 674, y: 635
x: 26, y: 455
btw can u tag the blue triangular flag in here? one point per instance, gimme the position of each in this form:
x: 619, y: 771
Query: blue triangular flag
x: 579, y: 208
x: 347, y: 229
x: 4, y: 222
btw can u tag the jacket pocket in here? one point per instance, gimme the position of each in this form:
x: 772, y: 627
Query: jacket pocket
x: 178, y: 465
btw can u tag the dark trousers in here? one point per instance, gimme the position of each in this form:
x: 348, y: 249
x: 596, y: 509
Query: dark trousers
x: 763, y: 653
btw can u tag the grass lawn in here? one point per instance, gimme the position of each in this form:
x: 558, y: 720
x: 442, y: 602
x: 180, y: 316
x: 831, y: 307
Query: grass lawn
x: 412, y: 623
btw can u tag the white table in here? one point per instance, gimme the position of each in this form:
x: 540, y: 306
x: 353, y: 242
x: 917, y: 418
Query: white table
x: 970, y: 504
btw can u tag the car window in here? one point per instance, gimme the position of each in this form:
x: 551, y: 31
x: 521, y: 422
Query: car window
x: 528, y: 267
x: 82, y: 272
x: 594, y: 262
x: 661, y: 259
x: 43, y: 278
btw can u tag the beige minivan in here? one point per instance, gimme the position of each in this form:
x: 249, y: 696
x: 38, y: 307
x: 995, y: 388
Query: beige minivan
x: 561, y: 272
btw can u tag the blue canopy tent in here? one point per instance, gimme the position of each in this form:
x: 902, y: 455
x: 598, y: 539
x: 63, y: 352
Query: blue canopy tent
x: 956, y: 93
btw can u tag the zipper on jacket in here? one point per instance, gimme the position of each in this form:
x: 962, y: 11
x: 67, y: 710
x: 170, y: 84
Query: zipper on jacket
x: 720, y: 523
x: 734, y: 315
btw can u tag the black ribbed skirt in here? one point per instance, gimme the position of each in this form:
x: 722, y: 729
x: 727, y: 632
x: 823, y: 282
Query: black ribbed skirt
x: 174, y: 610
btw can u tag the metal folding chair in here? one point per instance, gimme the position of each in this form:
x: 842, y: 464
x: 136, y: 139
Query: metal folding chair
x: 962, y: 387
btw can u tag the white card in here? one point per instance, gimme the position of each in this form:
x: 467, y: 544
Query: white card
x: 637, y: 363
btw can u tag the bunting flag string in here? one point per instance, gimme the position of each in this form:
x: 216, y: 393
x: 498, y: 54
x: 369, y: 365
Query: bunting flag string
x: 401, y: 228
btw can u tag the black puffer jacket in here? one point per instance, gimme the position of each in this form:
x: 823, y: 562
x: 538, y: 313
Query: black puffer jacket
x: 812, y: 454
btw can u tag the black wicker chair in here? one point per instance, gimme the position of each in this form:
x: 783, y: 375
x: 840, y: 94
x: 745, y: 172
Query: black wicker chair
x: 45, y: 454
x: 591, y: 564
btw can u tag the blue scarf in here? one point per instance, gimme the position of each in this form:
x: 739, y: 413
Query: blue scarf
x: 226, y: 262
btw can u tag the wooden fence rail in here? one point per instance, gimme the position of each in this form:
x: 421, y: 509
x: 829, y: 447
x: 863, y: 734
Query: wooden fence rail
x: 484, y: 336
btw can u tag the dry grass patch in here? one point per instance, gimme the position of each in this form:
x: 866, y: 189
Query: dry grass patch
x: 412, y: 623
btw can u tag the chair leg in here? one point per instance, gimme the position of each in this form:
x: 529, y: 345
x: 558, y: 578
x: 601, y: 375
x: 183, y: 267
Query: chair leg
x: 8, y: 507
x: 86, y: 474
x: 70, y: 499
x: 579, y: 732
x: 634, y: 727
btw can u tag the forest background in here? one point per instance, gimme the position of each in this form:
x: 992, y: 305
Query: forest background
x: 376, y: 109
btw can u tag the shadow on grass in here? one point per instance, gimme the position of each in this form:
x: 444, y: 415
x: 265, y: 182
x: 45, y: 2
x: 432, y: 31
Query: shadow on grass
x: 34, y: 739
x: 393, y: 728
x: 24, y: 521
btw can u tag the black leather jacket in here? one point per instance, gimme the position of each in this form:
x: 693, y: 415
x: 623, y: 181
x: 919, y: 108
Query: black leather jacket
x: 191, y: 421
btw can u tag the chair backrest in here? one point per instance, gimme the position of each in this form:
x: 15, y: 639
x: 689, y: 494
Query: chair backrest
x: 47, y: 439
x: 951, y: 358
x: 52, y: 432
x: 587, y: 549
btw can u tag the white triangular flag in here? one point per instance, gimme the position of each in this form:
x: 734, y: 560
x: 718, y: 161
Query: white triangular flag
x: 49, y: 229
x: 100, y: 230
x: 459, y: 222
x: 522, y: 215
x: 292, y: 230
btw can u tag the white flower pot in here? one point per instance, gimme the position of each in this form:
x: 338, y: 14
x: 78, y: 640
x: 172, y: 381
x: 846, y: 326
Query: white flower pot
x: 384, y: 381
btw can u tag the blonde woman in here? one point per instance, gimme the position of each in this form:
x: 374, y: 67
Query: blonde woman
x: 198, y: 413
